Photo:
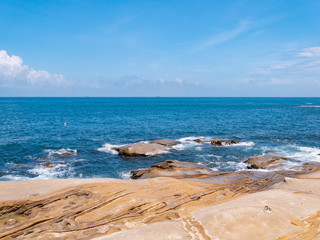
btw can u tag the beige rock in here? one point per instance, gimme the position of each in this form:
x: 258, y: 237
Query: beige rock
x: 142, y: 149
x: 172, y: 168
x: 166, y: 142
x: 267, y: 161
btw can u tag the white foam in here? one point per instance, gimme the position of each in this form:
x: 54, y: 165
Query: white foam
x: 309, y: 106
x: 298, y: 153
x: 108, y: 148
x: 14, y: 178
x: 62, y: 151
x: 58, y: 170
x: 240, y: 144
x: 125, y: 175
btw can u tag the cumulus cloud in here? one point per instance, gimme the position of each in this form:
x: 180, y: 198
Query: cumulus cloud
x: 14, y: 72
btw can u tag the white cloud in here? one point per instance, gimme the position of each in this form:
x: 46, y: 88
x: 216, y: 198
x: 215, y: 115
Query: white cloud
x: 303, y: 66
x: 179, y: 80
x: 310, y: 52
x: 14, y: 72
x: 224, y: 36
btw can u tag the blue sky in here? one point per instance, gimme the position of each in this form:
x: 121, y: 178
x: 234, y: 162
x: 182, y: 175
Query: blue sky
x: 160, y: 48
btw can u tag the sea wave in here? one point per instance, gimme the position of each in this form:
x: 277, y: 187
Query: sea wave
x: 62, y: 152
x: 309, y: 106
x: 108, y: 148
x: 240, y: 144
x: 56, y: 171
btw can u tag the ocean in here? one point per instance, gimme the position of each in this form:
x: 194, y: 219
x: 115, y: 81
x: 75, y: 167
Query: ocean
x: 76, y: 135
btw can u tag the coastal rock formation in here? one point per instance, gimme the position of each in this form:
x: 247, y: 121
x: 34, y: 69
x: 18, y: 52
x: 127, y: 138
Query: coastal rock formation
x: 237, y: 205
x: 166, y: 142
x: 141, y: 149
x: 172, y: 168
x: 267, y: 161
x: 219, y: 142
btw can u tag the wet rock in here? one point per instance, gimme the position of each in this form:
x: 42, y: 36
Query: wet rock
x: 166, y: 142
x: 20, y: 165
x: 48, y: 165
x: 219, y: 142
x: 172, y: 168
x: 230, y: 142
x: 199, y: 140
x: 43, y: 159
x: 141, y: 149
x: 216, y: 142
x: 267, y: 161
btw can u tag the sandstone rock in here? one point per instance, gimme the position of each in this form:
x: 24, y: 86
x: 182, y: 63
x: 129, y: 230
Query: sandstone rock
x: 171, y: 168
x: 11, y: 222
x: 141, y: 149
x: 219, y: 142
x: 267, y: 161
x: 166, y: 142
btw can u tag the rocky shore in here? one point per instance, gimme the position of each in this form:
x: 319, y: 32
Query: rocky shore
x: 170, y: 200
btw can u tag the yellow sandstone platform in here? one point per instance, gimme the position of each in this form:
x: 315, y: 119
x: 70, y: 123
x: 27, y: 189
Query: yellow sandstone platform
x: 224, y: 206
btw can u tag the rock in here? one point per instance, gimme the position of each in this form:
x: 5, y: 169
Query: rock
x: 171, y: 168
x: 141, y: 149
x: 43, y: 159
x: 219, y: 142
x: 166, y: 142
x: 11, y: 222
x: 267, y: 161
x: 48, y: 165
x: 216, y: 142
x: 230, y: 142
x: 199, y: 140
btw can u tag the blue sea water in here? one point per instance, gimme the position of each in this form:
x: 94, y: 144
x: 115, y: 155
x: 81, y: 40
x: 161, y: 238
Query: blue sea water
x: 76, y: 134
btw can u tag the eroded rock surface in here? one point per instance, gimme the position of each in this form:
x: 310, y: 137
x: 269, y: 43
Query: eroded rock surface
x: 267, y: 161
x: 180, y: 208
x: 166, y: 142
x: 172, y: 168
x: 141, y: 149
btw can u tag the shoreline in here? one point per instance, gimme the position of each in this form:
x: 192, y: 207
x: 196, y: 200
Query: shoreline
x: 218, y: 206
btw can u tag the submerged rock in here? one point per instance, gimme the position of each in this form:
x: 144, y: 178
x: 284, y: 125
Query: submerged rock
x: 199, y: 140
x: 171, y: 168
x: 166, y: 142
x: 48, y: 165
x: 267, y: 161
x: 141, y: 149
x: 219, y: 142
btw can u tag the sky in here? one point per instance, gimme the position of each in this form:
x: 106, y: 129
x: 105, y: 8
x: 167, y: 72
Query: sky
x: 163, y: 48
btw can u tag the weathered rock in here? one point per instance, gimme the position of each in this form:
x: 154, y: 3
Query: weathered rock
x: 172, y: 168
x: 166, y: 142
x: 11, y: 222
x: 267, y: 161
x: 141, y: 149
x: 48, y: 165
x: 219, y: 142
